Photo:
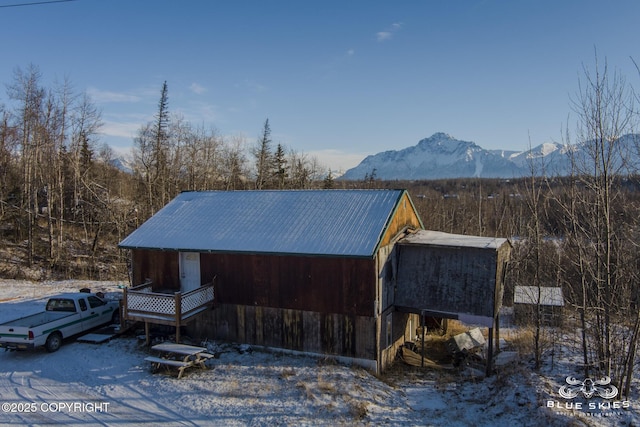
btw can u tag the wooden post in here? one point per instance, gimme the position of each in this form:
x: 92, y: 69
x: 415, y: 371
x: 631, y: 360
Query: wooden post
x: 422, y: 330
x: 121, y: 314
x: 146, y: 333
x: 178, y: 303
x: 125, y: 307
x: 490, y: 353
x: 497, y: 324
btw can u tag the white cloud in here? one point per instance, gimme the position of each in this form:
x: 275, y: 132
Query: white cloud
x: 123, y: 124
x: 103, y: 96
x: 383, y: 35
x: 388, y: 33
x: 197, y: 89
x: 126, y: 129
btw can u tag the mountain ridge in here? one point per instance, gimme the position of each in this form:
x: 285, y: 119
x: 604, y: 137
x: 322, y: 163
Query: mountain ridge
x: 442, y: 156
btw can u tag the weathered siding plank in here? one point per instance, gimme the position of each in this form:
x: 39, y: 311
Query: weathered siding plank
x: 312, y: 332
x: 293, y: 330
x: 365, y: 335
x: 240, y: 328
x: 259, y: 328
x: 249, y: 323
x: 328, y: 334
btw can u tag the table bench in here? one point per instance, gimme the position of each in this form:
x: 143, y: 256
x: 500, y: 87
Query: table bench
x: 190, y: 356
x: 157, y: 362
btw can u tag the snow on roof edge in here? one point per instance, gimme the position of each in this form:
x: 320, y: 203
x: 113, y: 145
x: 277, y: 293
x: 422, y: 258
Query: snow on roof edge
x: 439, y: 238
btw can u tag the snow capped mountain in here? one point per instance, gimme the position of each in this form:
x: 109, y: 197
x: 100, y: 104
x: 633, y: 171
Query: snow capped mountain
x: 549, y: 156
x: 442, y: 156
x: 439, y: 156
x: 124, y: 162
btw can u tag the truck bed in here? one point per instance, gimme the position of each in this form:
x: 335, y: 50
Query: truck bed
x: 37, y: 319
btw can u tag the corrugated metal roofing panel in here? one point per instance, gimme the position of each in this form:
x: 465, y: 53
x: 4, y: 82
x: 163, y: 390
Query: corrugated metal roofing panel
x: 311, y: 222
x: 438, y: 238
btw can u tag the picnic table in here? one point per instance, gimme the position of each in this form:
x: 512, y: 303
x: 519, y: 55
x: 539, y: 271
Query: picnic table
x: 179, y: 356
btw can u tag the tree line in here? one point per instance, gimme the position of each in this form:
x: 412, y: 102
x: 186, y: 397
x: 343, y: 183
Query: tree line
x: 64, y: 206
x: 172, y: 155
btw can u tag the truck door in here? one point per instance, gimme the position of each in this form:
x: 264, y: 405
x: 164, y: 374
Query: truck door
x: 86, y: 314
x: 94, y: 313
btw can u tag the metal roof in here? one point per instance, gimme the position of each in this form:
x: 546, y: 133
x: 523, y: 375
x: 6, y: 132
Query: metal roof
x: 438, y: 238
x: 306, y: 222
x: 533, y: 294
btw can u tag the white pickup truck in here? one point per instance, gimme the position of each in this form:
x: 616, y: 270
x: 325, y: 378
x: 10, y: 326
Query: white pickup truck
x: 65, y: 315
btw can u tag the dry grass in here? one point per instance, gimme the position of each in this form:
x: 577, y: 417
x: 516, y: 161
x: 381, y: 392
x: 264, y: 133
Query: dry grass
x: 455, y: 328
x: 326, y: 386
x: 233, y: 389
x: 358, y: 409
x: 287, y: 373
x: 523, y: 340
x: 435, y: 346
x: 307, y: 390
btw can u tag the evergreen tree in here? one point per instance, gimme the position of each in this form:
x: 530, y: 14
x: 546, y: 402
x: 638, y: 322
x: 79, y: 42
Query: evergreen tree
x: 281, y: 168
x: 264, y: 157
x: 328, y: 182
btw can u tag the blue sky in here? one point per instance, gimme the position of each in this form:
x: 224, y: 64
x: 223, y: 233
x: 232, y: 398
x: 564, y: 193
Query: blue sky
x: 336, y: 79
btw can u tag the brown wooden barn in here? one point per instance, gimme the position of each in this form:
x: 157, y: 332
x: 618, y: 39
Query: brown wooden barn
x: 301, y: 270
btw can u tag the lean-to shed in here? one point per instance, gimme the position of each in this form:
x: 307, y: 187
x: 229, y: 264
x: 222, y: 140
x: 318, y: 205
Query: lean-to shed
x: 452, y: 276
x: 298, y: 270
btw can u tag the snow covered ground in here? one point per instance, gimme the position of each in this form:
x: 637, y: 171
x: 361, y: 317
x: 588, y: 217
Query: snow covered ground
x: 111, y: 384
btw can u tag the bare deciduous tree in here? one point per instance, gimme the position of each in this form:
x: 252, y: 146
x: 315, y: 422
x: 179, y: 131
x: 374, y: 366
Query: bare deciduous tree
x: 605, y: 115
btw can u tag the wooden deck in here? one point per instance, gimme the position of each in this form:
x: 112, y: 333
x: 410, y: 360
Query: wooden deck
x: 174, y: 309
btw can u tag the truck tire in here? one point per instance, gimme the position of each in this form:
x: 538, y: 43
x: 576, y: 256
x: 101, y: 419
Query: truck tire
x: 54, y: 341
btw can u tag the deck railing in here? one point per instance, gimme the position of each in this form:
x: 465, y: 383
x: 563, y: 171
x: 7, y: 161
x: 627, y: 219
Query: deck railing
x: 142, y: 304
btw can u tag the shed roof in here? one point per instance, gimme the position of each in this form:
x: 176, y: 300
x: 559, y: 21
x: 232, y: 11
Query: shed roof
x: 305, y: 222
x: 529, y: 295
x: 437, y: 238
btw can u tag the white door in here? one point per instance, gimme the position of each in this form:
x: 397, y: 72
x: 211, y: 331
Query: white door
x: 189, y: 271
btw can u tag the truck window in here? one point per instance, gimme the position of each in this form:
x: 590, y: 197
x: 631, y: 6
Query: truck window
x: 83, y: 304
x: 95, y: 302
x: 61, y: 304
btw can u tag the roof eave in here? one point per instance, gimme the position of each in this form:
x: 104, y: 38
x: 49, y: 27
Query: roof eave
x: 218, y: 251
